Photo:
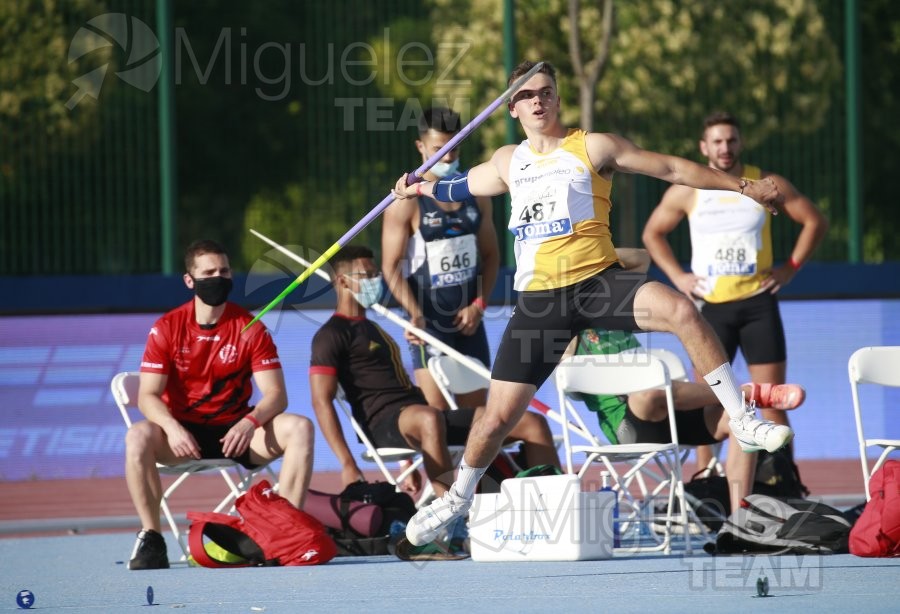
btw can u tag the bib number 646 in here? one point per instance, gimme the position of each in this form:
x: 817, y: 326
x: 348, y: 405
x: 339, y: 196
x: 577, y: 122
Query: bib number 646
x: 453, y: 263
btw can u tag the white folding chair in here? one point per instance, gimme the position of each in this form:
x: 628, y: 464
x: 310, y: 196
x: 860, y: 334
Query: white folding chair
x: 453, y: 378
x: 124, y: 388
x: 622, y: 374
x: 384, y: 455
x: 678, y: 373
x: 878, y: 366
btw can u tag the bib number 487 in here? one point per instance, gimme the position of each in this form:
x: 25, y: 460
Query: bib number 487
x: 536, y: 212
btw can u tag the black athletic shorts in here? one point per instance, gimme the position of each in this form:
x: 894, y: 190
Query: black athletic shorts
x: 543, y: 322
x: 208, y: 436
x: 386, y: 433
x: 690, y: 426
x: 753, y: 325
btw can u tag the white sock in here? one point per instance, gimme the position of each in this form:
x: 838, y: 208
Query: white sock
x: 467, y: 481
x: 726, y: 389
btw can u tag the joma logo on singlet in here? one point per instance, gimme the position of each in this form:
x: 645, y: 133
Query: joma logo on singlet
x: 543, y: 230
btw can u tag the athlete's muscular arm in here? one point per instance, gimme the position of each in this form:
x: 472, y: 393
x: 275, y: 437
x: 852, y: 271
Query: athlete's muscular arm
x: 491, y: 178
x: 395, y: 233
x: 665, y: 218
x: 323, y: 389
x: 468, y: 318
x: 800, y: 210
x: 273, y: 402
x: 151, y: 404
x: 611, y: 152
x: 485, y: 179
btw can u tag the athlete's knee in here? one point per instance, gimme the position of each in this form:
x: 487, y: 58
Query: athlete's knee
x: 530, y: 426
x: 428, y: 423
x: 299, y: 430
x: 140, y: 437
x: 649, y: 405
x: 683, y: 312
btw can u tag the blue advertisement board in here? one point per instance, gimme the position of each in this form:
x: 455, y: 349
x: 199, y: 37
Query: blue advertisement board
x: 59, y: 419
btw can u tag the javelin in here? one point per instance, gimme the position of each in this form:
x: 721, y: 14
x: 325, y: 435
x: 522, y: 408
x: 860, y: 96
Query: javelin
x: 461, y: 358
x: 414, y: 177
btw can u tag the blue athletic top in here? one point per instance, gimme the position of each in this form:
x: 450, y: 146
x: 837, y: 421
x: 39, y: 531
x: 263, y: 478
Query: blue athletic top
x: 443, y: 259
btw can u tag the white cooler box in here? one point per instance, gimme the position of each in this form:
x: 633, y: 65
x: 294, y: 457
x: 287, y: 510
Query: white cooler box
x: 545, y: 518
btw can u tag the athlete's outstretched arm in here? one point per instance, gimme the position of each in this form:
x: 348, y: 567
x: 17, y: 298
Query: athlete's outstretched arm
x: 616, y: 153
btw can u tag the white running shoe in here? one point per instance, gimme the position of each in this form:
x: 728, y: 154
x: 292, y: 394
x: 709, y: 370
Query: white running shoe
x: 425, y: 526
x: 756, y: 434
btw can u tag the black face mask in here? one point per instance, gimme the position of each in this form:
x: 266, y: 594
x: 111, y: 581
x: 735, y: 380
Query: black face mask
x: 212, y: 290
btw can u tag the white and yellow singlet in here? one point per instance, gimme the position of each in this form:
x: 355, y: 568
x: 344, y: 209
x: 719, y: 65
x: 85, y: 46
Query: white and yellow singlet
x: 559, y: 215
x: 731, y: 243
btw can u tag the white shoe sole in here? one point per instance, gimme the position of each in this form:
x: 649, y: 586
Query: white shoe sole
x: 754, y: 447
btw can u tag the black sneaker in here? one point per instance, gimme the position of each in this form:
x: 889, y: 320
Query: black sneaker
x: 150, y: 552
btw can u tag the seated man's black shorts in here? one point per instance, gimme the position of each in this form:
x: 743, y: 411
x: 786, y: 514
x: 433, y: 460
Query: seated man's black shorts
x: 386, y: 433
x: 208, y: 436
x: 690, y: 426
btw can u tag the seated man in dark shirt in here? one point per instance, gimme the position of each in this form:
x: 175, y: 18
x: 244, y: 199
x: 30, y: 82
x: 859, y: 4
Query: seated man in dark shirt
x: 354, y: 353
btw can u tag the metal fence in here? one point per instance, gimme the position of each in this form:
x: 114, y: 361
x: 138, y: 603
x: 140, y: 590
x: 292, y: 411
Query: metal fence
x: 79, y: 187
x: 81, y: 194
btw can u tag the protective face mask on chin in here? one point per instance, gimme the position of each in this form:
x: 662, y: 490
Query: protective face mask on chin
x: 370, y: 291
x: 442, y: 169
x: 212, y: 290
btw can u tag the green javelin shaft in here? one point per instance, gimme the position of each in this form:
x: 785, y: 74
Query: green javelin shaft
x: 320, y: 261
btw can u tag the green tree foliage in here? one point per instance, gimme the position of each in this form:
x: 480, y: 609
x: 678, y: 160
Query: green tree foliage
x: 78, y: 171
x: 35, y: 78
x: 880, y: 39
x: 291, y: 216
x: 303, y: 118
x: 771, y: 62
x: 297, y: 130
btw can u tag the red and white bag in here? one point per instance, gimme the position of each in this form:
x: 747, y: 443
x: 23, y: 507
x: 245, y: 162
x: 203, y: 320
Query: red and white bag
x: 877, y: 531
x: 269, y: 531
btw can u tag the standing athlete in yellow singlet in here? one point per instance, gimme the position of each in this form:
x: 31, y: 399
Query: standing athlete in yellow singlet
x: 568, y: 276
x: 732, y: 276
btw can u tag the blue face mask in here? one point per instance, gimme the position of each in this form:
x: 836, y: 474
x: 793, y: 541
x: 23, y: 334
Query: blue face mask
x: 370, y: 291
x: 442, y: 169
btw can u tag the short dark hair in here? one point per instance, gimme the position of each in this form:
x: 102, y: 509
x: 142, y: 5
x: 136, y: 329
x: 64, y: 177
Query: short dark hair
x: 719, y: 117
x: 198, y: 248
x: 527, y: 65
x: 348, y: 254
x: 440, y: 119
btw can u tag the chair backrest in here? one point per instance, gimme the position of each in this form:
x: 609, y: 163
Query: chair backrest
x: 876, y: 365
x: 341, y: 399
x: 124, y: 387
x: 677, y: 371
x: 612, y: 374
x: 455, y: 377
